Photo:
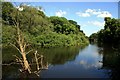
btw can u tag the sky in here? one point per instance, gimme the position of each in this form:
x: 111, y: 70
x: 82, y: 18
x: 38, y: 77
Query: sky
x: 89, y: 15
x: 62, y: 0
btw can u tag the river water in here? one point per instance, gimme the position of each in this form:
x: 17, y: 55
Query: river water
x: 75, y: 62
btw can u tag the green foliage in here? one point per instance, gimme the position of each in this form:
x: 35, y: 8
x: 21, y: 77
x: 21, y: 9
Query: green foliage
x: 7, y: 8
x: 8, y: 34
x: 39, y: 29
x: 55, y: 39
x: 93, y: 38
x: 111, y: 32
x: 64, y: 26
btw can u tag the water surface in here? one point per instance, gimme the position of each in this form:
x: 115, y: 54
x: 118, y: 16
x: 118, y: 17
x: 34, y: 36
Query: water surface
x: 87, y: 64
x: 72, y: 62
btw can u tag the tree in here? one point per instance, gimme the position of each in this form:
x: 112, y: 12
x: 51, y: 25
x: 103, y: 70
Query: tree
x: 110, y: 33
x: 7, y: 8
x: 21, y: 42
x: 34, y: 24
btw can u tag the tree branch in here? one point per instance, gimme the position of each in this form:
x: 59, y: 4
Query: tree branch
x: 16, y: 48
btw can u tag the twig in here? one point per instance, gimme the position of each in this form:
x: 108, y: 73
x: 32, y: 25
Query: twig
x: 36, y: 60
x: 29, y: 52
x: 16, y: 48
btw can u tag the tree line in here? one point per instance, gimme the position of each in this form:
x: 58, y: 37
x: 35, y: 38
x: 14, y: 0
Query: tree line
x: 110, y: 34
x: 39, y: 29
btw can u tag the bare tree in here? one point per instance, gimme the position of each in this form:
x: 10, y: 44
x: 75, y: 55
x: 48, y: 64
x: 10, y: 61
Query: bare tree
x: 21, y: 47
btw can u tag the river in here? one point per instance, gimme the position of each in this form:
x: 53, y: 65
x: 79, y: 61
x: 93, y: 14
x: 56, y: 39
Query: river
x: 75, y: 62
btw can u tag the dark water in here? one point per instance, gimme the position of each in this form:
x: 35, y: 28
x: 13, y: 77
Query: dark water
x: 73, y: 62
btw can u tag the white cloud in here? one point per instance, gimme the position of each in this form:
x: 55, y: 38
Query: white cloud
x: 93, y: 11
x: 104, y: 14
x: 83, y: 62
x: 83, y: 14
x: 88, y: 65
x: 90, y: 10
x: 96, y: 12
x: 96, y: 23
x: 60, y: 13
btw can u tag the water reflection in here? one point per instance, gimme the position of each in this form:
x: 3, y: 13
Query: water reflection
x: 60, y: 55
x: 90, y: 57
x: 86, y: 65
x: 111, y: 61
x: 53, y: 56
x: 73, y: 62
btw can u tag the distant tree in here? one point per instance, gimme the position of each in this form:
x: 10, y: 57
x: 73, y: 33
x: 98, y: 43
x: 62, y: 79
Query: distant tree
x: 111, y: 31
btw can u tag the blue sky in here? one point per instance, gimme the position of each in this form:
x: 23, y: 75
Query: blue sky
x: 63, y: 0
x: 90, y: 15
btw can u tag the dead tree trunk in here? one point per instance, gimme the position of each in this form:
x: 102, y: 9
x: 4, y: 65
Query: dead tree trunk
x: 22, y: 46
